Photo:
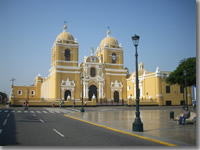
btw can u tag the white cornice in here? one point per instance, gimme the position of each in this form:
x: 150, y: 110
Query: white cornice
x: 115, y: 70
x: 115, y: 74
x: 113, y: 64
x: 65, y: 44
x: 67, y: 61
x: 64, y: 67
x: 57, y: 71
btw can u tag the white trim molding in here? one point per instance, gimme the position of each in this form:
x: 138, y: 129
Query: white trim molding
x: 115, y: 74
x: 64, y: 67
x: 116, y: 70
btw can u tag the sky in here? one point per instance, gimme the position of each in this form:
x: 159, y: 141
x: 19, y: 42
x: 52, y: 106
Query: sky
x: 28, y: 29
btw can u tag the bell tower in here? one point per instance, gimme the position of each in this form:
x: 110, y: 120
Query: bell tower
x: 65, y: 72
x: 111, y: 52
x: 65, y: 50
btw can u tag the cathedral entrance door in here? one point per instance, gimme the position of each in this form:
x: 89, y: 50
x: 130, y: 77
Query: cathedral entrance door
x: 116, y: 96
x: 67, y: 92
x: 92, y: 90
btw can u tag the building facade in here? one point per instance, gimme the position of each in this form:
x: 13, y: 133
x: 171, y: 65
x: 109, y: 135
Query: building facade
x: 100, y: 77
x: 153, y: 89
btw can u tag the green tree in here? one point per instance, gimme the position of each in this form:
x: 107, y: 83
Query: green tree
x: 177, y: 76
x: 3, y: 97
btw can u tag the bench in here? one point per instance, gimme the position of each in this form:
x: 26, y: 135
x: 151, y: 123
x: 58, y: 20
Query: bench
x: 190, y: 120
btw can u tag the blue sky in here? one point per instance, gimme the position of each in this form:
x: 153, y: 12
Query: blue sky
x: 28, y: 28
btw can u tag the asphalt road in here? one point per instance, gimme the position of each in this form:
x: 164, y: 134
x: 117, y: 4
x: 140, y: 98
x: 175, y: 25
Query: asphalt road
x: 41, y: 127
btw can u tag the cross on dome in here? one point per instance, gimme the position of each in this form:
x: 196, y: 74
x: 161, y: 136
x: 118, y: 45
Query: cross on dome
x: 108, y: 31
x: 65, y: 27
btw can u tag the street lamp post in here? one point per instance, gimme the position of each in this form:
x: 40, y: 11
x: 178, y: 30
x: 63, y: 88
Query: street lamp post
x: 82, y: 109
x: 185, y: 74
x: 137, y: 125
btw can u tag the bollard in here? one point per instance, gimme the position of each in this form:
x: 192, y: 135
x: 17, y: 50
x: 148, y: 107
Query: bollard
x: 171, y: 115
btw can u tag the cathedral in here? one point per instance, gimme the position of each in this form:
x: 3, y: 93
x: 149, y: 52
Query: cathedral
x: 100, y: 78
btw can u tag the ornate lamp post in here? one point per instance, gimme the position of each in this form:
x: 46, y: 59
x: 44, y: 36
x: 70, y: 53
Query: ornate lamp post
x: 82, y: 76
x: 185, y: 74
x: 137, y: 125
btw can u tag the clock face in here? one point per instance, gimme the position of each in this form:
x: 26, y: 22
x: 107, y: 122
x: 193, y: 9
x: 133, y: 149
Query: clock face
x: 114, y: 57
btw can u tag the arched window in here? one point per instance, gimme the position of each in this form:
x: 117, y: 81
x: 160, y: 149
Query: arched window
x: 67, y: 55
x: 114, y: 58
x: 92, y: 72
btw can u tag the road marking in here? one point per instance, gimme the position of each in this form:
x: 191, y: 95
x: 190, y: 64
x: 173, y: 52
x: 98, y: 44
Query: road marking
x: 51, y: 112
x: 13, y: 111
x: 32, y: 111
x: 5, y: 110
x: 19, y: 111
x: 25, y: 111
x: 42, y: 120
x: 38, y: 111
x: 45, y: 112
x: 34, y: 115
x: 4, y: 123
x: 8, y: 115
x: 57, y: 111
x: 0, y: 131
x: 124, y: 132
x: 58, y: 133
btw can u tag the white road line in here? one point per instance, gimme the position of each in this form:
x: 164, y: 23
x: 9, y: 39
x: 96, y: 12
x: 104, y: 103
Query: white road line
x: 34, y: 115
x: 45, y: 112
x: 19, y: 111
x: 5, y: 110
x: 51, y: 112
x: 25, y: 111
x: 13, y: 111
x: 57, y: 111
x: 4, y: 123
x: 58, y: 133
x: 38, y: 111
x: 8, y: 115
x: 42, y: 120
x: 32, y: 111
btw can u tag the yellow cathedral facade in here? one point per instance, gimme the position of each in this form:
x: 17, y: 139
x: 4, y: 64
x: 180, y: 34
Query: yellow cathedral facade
x: 100, y: 79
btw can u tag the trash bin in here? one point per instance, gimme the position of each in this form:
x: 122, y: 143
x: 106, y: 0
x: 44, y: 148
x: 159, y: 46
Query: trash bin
x: 171, y: 115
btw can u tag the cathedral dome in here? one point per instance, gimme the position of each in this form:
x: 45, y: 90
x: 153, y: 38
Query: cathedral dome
x: 65, y: 36
x: 109, y: 41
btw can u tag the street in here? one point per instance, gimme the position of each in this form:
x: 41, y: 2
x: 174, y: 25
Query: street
x: 50, y: 127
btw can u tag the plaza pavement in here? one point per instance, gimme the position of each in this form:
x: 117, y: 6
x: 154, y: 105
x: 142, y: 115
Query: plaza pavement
x: 156, y: 122
x: 155, y: 119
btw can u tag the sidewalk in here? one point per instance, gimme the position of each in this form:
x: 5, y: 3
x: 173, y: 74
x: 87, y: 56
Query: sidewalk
x: 156, y: 122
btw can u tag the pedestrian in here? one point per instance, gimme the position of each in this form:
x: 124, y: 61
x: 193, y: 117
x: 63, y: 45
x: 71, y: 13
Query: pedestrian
x: 132, y: 103
x: 53, y: 104
x: 60, y: 103
x: 184, y: 116
x: 74, y: 103
x: 26, y: 105
x: 85, y: 103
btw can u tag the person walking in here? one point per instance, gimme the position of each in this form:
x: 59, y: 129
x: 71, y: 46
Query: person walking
x: 26, y: 105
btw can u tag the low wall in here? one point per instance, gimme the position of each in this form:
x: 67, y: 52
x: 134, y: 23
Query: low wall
x: 142, y: 103
x: 56, y: 103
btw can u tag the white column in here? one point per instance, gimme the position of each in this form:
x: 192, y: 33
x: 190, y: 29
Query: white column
x: 86, y: 90
x: 100, y: 90
x: 141, y: 90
